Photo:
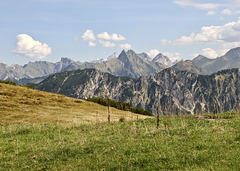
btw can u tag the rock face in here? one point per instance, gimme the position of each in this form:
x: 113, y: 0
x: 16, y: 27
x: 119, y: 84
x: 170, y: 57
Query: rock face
x: 160, y: 58
x: 175, y: 92
x: 145, y: 56
x: 230, y: 60
x: 113, y: 56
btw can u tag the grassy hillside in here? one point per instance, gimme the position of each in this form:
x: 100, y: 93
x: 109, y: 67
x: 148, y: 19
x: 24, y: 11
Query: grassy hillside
x: 67, y: 142
x: 21, y: 105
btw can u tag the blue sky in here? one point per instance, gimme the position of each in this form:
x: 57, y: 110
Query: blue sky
x: 86, y: 30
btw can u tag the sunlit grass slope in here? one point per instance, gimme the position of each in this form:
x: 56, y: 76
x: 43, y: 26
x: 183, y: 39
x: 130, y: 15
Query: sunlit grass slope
x: 43, y: 131
x: 21, y: 105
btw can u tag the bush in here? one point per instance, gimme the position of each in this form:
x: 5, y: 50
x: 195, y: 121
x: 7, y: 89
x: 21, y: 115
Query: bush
x: 122, y: 119
x: 28, y: 86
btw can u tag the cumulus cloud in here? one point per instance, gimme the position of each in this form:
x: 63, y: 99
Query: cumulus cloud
x: 153, y: 53
x: 107, y: 44
x: 88, y: 35
x: 209, y: 52
x: 113, y: 37
x: 91, y: 44
x: 28, y: 47
x: 125, y: 46
x: 104, y: 39
x: 229, y: 32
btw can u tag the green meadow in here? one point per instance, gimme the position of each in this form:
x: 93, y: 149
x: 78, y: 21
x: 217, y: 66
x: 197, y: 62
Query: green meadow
x: 57, y: 137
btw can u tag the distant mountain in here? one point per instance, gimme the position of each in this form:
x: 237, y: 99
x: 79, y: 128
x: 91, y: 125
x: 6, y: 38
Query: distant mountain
x: 145, y: 56
x: 175, y: 91
x: 130, y: 64
x: 160, y: 58
x: 125, y: 64
x: 35, y: 69
x: 98, y: 61
x: 230, y: 60
x: 201, y: 60
x: 188, y: 65
x: 113, y: 56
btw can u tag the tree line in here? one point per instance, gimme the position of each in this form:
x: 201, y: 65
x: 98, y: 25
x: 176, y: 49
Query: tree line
x: 119, y: 105
x: 8, y: 82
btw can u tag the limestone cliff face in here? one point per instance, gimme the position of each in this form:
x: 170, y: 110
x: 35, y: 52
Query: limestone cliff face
x: 173, y: 91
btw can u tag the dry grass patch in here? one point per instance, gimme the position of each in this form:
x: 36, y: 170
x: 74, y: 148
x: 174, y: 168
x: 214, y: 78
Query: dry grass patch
x: 23, y: 105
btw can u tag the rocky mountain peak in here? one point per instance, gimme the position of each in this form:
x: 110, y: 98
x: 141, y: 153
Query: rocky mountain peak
x: 123, y: 56
x: 66, y: 60
x: 199, y: 57
x: 160, y: 58
x: 145, y: 56
x: 131, y: 52
x: 233, y: 53
x: 188, y: 65
x: 113, y: 56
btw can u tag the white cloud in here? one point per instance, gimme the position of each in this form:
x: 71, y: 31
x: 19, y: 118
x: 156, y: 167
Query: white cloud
x: 113, y: 37
x: 125, y: 46
x: 222, y: 50
x: 28, y: 47
x: 209, y: 52
x: 229, y: 32
x: 230, y: 6
x: 89, y: 35
x: 231, y: 45
x: 211, y: 13
x: 203, y: 6
x: 173, y: 56
x: 230, y: 12
x: 227, y: 12
x: 104, y: 39
x: 106, y: 44
x: 91, y: 44
x: 153, y: 53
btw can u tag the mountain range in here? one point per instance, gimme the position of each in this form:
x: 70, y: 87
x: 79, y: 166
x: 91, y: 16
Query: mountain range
x: 230, y: 60
x: 191, y: 86
x: 127, y: 63
x: 175, y: 92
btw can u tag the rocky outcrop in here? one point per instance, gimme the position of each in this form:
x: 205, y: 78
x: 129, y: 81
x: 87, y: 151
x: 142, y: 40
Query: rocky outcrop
x: 173, y: 91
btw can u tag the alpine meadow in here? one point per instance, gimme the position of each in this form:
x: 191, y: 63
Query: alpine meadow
x: 120, y: 85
